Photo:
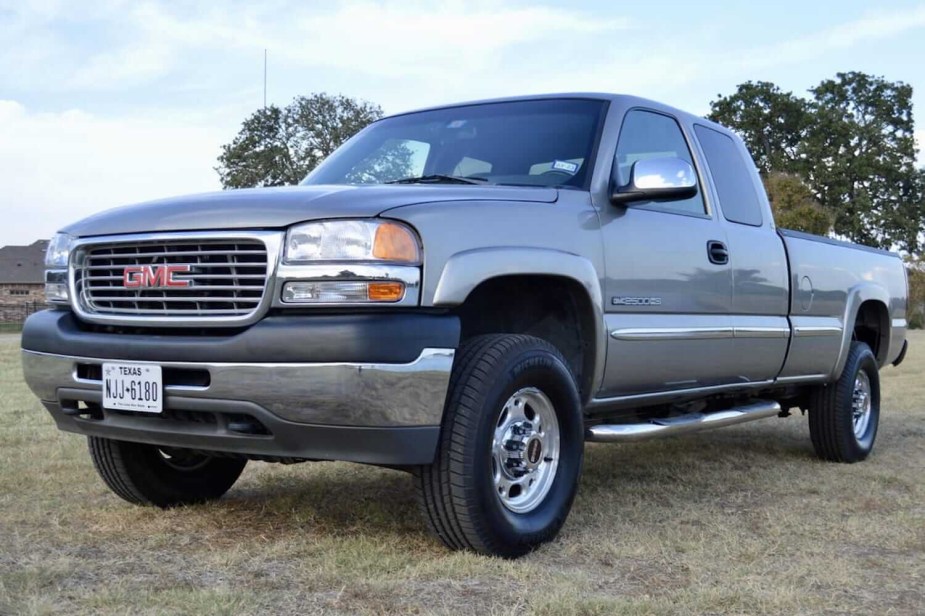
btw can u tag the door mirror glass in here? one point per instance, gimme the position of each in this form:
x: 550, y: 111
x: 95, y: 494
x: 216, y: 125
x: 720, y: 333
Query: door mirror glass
x: 657, y: 179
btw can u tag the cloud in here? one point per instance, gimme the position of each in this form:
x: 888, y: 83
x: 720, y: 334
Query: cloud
x: 60, y: 167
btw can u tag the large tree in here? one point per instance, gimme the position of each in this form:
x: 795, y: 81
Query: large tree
x: 851, y: 143
x: 772, y: 123
x: 278, y: 146
x: 862, y: 153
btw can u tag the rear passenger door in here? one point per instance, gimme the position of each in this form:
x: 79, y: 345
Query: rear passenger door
x: 667, y: 302
x: 760, y: 286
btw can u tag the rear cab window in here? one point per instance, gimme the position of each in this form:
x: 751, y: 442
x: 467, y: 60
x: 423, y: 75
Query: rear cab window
x: 732, y: 177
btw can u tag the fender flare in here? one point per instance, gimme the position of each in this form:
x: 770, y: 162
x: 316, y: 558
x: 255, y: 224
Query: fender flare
x: 465, y: 270
x: 857, y: 295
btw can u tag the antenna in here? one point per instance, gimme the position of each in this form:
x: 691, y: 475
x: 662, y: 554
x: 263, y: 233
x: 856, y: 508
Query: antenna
x: 264, y: 78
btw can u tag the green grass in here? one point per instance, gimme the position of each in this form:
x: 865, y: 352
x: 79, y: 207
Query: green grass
x: 740, y: 520
x: 10, y: 328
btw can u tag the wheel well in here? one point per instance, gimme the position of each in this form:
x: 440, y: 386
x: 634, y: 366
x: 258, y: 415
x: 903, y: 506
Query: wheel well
x: 872, y: 327
x: 553, y: 308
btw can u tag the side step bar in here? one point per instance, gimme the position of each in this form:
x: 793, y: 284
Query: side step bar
x: 656, y: 428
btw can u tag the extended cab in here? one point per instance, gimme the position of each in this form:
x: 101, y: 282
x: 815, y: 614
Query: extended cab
x: 470, y: 293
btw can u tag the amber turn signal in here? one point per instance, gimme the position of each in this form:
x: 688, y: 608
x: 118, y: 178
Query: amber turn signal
x: 385, y: 291
x: 395, y: 242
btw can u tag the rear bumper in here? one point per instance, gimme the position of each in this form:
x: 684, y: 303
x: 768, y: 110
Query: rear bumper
x: 298, y: 387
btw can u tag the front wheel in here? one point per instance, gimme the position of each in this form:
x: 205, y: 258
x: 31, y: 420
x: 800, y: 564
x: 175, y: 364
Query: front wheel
x: 511, y: 448
x: 165, y: 477
x: 844, y: 415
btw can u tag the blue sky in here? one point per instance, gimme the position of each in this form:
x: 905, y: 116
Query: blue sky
x: 109, y: 102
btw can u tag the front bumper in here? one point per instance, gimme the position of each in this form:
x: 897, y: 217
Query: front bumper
x: 296, y: 385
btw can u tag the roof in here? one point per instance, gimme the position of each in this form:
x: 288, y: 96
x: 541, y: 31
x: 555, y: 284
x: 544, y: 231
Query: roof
x: 626, y: 99
x: 23, y: 264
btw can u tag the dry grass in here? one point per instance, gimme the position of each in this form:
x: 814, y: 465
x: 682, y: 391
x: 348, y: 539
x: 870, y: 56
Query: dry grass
x: 741, y: 520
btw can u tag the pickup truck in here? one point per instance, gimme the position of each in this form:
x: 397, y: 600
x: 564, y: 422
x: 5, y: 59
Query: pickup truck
x: 468, y: 293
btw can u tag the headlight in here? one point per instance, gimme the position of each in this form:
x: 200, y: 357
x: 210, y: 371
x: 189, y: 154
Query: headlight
x: 59, y: 248
x: 56, y: 260
x: 352, y: 240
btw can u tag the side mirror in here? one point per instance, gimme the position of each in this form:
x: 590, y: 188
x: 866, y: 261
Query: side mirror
x: 657, y: 179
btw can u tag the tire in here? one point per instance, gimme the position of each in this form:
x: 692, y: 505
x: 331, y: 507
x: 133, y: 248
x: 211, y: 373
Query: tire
x: 149, y: 475
x: 507, y: 393
x: 840, y: 429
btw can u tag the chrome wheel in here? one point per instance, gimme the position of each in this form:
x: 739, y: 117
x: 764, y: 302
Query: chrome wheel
x: 861, y: 404
x: 525, y: 450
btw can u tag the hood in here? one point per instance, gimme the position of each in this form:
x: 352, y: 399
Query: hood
x: 269, y: 208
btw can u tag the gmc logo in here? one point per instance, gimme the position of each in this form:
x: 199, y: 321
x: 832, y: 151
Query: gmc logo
x: 154, y: 276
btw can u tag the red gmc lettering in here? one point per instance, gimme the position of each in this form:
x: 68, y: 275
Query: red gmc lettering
x: 139, y: 276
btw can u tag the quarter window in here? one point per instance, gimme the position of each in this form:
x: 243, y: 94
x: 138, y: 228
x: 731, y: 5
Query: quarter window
x: 646, y: 134
x: 731, y: 176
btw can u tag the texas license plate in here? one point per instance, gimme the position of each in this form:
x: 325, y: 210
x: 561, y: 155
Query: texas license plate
x: 133, y: 387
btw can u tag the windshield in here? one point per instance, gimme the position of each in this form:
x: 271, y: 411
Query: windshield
x: 533, y: 143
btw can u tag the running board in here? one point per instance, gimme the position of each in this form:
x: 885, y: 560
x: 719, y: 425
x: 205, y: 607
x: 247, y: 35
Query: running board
x: 656, y: 428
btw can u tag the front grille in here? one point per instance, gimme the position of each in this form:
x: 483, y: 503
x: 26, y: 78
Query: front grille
x: 224, y: 277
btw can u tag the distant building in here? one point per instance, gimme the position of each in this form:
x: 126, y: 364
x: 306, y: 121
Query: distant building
x: 22, y: 279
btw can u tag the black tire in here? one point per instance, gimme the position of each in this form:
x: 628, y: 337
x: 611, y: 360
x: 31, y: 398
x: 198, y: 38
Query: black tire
x: 457, y: 492
x: 148, y: 475
x: 831, y: 410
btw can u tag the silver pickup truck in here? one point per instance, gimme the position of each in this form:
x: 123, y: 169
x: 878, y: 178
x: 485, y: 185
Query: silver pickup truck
x: 469, y: 293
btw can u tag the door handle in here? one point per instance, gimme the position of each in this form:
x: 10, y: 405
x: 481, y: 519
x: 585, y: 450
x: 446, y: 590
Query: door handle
x: 717, y: 252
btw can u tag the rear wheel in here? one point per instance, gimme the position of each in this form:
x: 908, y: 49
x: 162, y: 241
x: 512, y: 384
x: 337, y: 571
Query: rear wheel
x: 165, y: 477
x: 844, y: 416
x: 511, y: 448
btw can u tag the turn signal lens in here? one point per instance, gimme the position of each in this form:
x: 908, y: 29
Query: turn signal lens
x: 385, y: 291
x: 395, y: 242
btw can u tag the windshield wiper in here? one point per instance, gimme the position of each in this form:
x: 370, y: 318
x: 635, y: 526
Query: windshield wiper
x: 438, y: 178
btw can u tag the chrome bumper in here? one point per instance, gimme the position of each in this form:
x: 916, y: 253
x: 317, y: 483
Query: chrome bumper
x: 327, y: 394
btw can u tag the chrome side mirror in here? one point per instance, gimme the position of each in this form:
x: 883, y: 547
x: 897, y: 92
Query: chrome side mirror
x: 657, y: 179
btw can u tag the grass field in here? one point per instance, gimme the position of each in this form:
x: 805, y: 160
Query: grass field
x: 740, y: 520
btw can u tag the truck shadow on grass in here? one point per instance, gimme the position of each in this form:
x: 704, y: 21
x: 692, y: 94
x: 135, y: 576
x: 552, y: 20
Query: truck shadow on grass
x: 341, y: 499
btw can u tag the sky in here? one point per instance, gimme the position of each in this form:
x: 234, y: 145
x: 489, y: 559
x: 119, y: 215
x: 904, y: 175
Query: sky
x: 109, y: 102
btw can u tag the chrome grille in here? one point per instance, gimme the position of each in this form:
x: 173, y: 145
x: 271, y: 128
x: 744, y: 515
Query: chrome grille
x: 226, y: 277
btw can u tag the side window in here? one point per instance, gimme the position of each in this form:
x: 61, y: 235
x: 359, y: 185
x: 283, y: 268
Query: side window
x: 731, y: 176
x: 646, y: 134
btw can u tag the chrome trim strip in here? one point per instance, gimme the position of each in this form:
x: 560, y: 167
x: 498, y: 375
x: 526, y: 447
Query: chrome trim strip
x: 680, y: 425
x: 810, y: 331
x: 672, y: 333
x: 336, y: 393
x: 273, y: 240
x: 699, y: 333
x: 667, y: 396
x: 410, y: 275
x: 804, y: 378
x: 760, y: 332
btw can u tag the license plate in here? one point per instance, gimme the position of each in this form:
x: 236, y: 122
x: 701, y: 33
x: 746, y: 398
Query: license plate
x: 133, y: 387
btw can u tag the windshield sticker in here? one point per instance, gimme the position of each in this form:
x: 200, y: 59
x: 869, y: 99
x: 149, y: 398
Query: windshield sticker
x: 456, y: 124
x: 564, y: 165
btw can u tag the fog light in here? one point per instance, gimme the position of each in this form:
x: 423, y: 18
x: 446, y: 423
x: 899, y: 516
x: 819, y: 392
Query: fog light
x: 341, y: 292
x: 56, y: 292
x: 56, y: 286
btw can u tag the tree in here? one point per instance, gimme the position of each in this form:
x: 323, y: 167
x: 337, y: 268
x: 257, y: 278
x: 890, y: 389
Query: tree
x: 861, y: 151
x: 278, y: 146
x: 915, y: 272
x: 852, y: 145
x: 771, y: 122
x: 794, y: 205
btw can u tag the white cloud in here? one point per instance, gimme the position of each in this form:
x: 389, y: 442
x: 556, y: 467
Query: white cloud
x: 60, y: 167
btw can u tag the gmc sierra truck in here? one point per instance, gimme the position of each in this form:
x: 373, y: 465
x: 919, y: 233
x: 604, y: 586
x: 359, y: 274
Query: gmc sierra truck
x: 469, y: 293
